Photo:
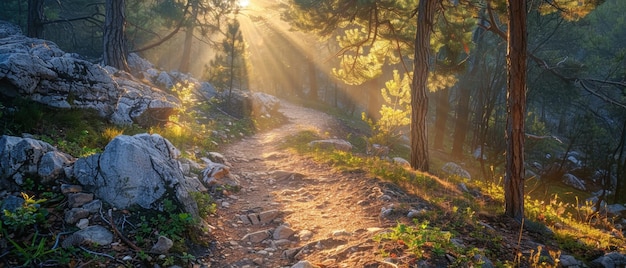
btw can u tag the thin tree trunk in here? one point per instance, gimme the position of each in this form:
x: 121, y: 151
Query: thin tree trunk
x: 312, y: 79
x: 373, y: 99
x: 620, y: 186
x: 462, y: 118
x: 185, y: 59
x: 443, y: 108
x: 114, y: 52
x: 419, y: 99
x: 516, y: 107
x: 35, y: 19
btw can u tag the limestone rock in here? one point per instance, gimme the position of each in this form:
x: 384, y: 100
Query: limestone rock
x: 38, y: 70
x: 573, y: 181
x: 132, y: 170
x: 453, y: 169
x: 337, y: 144
x: 26, y: 157
x: 95, y: 234
x: 162, y: 245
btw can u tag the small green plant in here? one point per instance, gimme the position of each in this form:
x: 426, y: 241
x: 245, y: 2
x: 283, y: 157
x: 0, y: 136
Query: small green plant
x: 32, y: 253
x: 25, y: 216
x: 170, y: 223
x: 206, y: 205
x: 419, y: 238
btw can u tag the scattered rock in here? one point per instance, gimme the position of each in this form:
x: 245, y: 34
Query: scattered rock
x: 267, y: 216
x: 401, y: 161
x: 569, y: 261
x: 573, y: 181
x: 610, y: 260
x: 93, y: 206
x: 78, y: 199
x: 82, y: 224
x: 337, y: 144
x: 162, y: 245
x: 75, y: 214
x: 70, y: 188
x: 453, y: 169
x: 305, y: 235
x: 256, y: 237
x: 304, y: 264
x: 95, y: 234
x: 615, y: 209
x: 282, y: 232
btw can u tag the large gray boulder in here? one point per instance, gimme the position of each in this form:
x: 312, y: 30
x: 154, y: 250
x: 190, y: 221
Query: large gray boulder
x: 22, y: 158
x: 453, y: 169
x: 137, y: 170
x: 574, y: 181
x: 38, y: 70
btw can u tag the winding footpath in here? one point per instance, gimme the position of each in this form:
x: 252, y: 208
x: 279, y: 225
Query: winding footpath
x: 291, y: 209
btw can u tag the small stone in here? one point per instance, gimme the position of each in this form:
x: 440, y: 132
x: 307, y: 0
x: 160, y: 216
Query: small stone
x: 268, y: 216
x: 93, y: 206
x: 340, y: 233
x: 225, y: 204
x: 75, y: 200
x: 82, y: 223
x: 127, y: 258
x: 282, y: 232
x: 69, y: 188
x: 96, y: 234
x: 245, y: 220
x: 73, y: 215
x: 254, y: 218
x: 162, y: 245
x: 305, y: 235
x: 256, y: 236
x: 233, y: 243
x: 281, y: 242
x: 258, y: 261
x: 262, y: 252
x: 415, y: 213
x: 304, y: 264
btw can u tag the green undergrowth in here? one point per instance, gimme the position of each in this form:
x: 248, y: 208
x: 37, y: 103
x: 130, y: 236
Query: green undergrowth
x: 561, y: 219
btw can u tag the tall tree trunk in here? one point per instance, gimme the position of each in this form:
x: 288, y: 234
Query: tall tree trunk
x: 373, y: 99
x: 620, y: 186
x: 114, y: 52
x: 443, y: 108
x: 35, y: 19
x: 462, y: 118
x: 419, y: 100
x: 312, y: 79
x: 516, y: 109
x: 185, y: 59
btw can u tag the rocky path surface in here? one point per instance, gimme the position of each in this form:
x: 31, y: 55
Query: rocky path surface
x: 291, y: 209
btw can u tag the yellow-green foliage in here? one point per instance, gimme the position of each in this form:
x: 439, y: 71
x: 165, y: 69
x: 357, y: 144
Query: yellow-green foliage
x: 110, y: 133
x: 395, y: 112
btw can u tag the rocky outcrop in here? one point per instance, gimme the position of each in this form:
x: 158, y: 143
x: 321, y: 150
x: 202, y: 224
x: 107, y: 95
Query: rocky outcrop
x: 22, y: 158
x: 132, y: 170
x: 39, y: 70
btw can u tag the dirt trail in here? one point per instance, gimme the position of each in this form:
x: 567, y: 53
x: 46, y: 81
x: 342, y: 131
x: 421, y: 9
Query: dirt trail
x: 332, y: 215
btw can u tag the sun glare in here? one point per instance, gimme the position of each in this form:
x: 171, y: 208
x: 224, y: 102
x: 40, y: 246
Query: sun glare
x: 244, y: 3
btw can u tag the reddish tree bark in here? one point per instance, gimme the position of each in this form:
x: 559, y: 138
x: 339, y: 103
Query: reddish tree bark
x: 516, y: 109
x: 419, y: 99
